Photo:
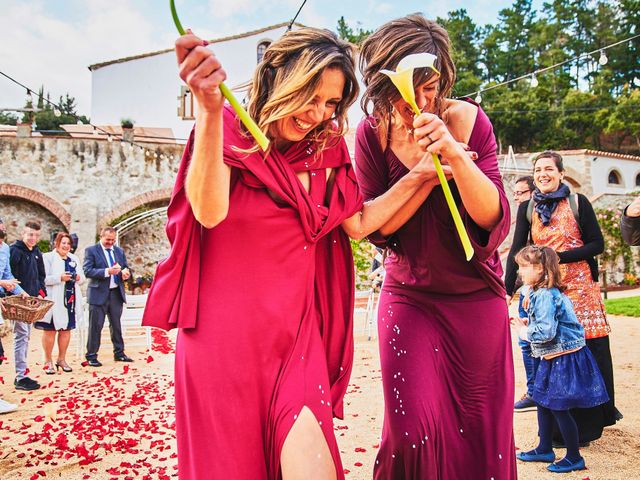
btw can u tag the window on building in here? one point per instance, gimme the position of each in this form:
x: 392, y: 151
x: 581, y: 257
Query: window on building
x: 185, y: 104
x: 614, y: 178
x: 638, y: 180
x: 262, y: 47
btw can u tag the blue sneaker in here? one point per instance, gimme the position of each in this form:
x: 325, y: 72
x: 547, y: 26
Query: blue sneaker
x: 525, y: 404
x: 534, y: 456
x: 564, y: 466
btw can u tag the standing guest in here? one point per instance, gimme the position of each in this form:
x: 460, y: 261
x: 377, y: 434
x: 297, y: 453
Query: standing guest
x: 105, y: 265
x: 62, y: 280
x: 445, y: 345
x: 28, y: 268
x: 568, y: 375
x: 567, y: 223
x: 5, y: 407
x: 265, y: 346
x: 630, y: 223
x: 8, y: 285
x: 522, y: 190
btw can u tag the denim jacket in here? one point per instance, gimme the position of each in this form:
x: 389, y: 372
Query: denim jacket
x: 5, y: 269
x: 553, y: 325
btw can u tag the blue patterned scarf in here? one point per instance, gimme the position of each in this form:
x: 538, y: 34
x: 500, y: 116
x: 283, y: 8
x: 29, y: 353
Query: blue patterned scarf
x: 546, y: 203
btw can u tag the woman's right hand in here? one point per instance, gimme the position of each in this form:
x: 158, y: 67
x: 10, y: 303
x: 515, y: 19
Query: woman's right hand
x: 201, y: 71
x: 65, y: 277
x: 427, y: 169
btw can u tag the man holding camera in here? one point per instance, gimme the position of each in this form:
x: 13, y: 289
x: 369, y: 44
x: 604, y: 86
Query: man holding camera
x: 105, y: 265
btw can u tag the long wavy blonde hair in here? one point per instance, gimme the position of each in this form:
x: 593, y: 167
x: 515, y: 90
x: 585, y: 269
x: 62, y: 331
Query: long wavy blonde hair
x: 289, y: 75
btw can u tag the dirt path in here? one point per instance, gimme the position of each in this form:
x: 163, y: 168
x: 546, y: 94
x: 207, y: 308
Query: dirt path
x: 116, y: 422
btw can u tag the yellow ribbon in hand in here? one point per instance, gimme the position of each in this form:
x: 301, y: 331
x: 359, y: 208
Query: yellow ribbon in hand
x: 402, y: 78
x: 246, y: 119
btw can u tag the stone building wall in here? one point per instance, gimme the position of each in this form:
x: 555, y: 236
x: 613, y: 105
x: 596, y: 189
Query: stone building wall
x: 15, y: 212
x: 85, y: 182
x: 145, y: 245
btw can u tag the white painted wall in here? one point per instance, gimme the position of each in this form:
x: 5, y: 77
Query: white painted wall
x: 600, y: 168
x: 147, y: 89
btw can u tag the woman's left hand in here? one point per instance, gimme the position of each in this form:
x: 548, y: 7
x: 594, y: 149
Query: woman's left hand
x: 433, y: 136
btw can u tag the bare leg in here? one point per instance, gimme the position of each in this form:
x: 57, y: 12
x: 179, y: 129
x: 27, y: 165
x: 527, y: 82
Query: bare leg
x: 305, y: 453
x: 48, y: 340
x: 64, y: 336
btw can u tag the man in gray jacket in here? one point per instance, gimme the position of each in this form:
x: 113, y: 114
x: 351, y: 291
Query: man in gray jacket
x: 630, y: 223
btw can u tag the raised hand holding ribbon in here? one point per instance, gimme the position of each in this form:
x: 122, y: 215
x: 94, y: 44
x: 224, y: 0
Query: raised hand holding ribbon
x: 248, y: 122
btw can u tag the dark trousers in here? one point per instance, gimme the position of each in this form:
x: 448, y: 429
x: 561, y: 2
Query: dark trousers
x: 530, y: 365
x: 113, y: 308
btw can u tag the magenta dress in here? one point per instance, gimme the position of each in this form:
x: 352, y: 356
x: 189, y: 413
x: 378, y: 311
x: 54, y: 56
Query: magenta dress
x: 264, y: 304
x: 445, y: 345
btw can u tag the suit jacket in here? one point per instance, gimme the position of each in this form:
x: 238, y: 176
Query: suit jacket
x: 94, y: 267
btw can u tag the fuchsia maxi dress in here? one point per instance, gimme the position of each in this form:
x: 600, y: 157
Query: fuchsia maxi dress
x: 445, y: 345
x: 264, y: 304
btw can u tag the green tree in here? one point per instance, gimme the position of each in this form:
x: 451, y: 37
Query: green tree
x: 345, y: 32
x: 520, y: 117
x: 464, y: 35
x: 8, y: 118
x: 48, y: 119
x: 624, y: 59
x: 575, y: 122
x: 505, y: 48
x: 624, y: 120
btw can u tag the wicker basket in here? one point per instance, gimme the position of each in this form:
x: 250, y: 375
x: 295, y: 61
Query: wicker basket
x: 25, y: 309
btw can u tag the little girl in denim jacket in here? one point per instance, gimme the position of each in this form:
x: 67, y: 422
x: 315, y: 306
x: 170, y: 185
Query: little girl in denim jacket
x: 568, y: 376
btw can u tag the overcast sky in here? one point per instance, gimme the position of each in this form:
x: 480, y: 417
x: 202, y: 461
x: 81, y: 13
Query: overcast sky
x: 52, y: 42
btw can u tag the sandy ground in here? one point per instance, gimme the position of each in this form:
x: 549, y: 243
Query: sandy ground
x: 116, y: 422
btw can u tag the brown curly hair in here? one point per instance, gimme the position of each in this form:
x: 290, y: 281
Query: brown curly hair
x: 391, y: 43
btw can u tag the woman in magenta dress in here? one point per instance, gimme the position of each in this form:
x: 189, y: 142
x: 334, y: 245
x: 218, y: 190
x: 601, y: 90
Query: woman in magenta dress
x: 445, y: 347
x: 260, y: 275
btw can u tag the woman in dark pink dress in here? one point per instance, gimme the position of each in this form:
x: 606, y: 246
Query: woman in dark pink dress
x: 260, y: 275
x: 445, y: 347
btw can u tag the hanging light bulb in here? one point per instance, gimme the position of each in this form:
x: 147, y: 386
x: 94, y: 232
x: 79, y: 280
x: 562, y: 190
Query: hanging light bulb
x: 109, y: 138
x: 56, y: 112
x: 534, y: 81
x: 603, y: 58
x: 29, y: 99
x: 478, y: 98
x: 95, y: 131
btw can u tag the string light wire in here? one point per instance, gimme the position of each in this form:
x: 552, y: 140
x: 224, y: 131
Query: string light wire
x: 603, y: 60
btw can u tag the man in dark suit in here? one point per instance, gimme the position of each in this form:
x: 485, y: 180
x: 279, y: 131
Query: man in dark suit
x: 105, y: 265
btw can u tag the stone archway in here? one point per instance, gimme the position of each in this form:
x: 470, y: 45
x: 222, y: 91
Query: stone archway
x: 19, y: 204
x: 143, y: 238
x: 148, y: 198
x: 39, y: 198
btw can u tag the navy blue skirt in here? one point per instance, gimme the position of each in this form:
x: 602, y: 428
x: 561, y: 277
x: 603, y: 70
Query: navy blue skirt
x: 569, y: 381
